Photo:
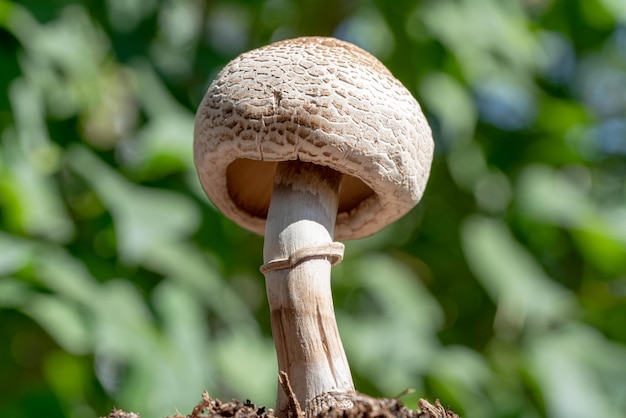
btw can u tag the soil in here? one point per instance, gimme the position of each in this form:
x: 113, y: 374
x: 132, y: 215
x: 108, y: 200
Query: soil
x: 362, y: 407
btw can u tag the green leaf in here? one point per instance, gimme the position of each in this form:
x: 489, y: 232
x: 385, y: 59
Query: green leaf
x: 399, y: 323
x: 145, y: 218
x: 15, y: 253
x: 13, y: 293
x: 527, y: 298
x: 549, y: 196
x: 32, y: 200
x: 450, y: 101
x: 187, y: 265
x: 578, y: 370
x: 63, y: 320
x: 164, y: 144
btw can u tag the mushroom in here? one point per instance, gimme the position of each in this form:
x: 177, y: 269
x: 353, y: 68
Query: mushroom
x: 305, y: 140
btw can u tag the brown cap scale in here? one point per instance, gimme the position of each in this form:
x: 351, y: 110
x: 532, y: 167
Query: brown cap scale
x: 304, y: 140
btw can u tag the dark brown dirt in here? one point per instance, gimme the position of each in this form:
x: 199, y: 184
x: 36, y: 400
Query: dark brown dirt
x: 363, y: 407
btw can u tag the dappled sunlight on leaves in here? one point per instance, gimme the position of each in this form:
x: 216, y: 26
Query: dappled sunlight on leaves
x: 567, y: 365
x: 503, y: 293
x: 393, y: 316
x: 144, y: 217
x: 527, y: 299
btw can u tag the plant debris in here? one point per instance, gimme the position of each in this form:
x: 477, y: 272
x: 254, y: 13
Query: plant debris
x: 118, y: 413
x: 363, y: 406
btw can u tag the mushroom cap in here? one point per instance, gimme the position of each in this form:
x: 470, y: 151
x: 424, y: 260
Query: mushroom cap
x: 317, y: 100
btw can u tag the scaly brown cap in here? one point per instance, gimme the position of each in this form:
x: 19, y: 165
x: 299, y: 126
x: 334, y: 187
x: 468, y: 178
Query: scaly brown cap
x: 318, y: 100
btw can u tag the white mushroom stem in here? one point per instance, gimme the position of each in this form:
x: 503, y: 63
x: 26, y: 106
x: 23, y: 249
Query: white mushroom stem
x: 302, y: 214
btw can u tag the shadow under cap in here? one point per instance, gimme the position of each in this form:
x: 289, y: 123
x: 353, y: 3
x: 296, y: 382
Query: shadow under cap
x: 250, y: 184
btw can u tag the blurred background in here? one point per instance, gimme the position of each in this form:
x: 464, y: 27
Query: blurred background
x: 503, y: 293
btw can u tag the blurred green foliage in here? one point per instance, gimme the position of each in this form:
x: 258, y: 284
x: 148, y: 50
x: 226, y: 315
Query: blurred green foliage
x: 503, y: 293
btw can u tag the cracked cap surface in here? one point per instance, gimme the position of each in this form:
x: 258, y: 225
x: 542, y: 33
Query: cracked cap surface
x: 318, y: 100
